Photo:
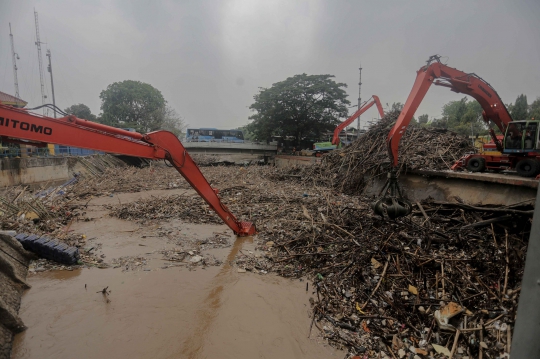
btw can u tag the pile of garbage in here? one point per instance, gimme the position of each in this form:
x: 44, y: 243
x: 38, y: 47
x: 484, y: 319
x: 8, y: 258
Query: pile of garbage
x: 444, y: 280
x: 350, y: 169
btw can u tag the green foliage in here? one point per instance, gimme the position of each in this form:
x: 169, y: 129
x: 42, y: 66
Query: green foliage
x: 301, y: 106
x: 133, y: 104
x: 519, y: 110
x: 463, y: 116
x: 81, y: 111
x: 248, y: 135
x: 169, y: 120
x: 534, y: 109
x: 396, y: 107
x: 423, y: 119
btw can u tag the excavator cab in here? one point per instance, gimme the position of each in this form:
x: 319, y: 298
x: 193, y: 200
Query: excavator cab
x: 521, y: 137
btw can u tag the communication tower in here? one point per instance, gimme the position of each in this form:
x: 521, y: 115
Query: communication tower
x: 40, y: 61
x: 359, y: 97
x: 49, y: 68
x: 14, y: 58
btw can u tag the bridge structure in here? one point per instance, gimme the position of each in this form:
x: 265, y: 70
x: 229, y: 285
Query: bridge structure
x: 219, y: 148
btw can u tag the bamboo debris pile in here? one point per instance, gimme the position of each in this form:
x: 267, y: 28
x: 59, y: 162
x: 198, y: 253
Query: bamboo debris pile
x: 190, y: 208
x: 350, y: 169
x: 204, y: 160
x: 95, y: 165
x: 442, y: 282
x: 41, y: 212
x: 51, y: 209
x: 250, y: 197
x: 413, y: 283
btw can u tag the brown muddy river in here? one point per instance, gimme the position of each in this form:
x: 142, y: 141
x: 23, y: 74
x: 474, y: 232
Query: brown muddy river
x: 214, y: 312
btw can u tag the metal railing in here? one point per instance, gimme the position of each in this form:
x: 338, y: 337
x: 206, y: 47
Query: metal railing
x: 12, y: 152
x: 59, y: 151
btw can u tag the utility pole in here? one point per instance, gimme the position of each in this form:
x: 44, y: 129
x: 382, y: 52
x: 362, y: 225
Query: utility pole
x: 359, y: 98
x: 49, y: 68
x: 40, y: 61
x: 14, y: 58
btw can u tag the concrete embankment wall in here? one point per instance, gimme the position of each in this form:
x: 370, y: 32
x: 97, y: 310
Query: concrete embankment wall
x: 13, y: 270
x: 16, y: 171
x: 472, y: 188
x: 35, y: 171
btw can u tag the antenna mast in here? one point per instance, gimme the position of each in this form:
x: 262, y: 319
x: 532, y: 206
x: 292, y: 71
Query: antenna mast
x: 14, y: 58
x: 359, y: 97
x: 49, y: 68
x: 38, y: 44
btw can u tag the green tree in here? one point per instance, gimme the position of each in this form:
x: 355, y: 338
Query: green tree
x: 396, y: 107
x: 423, y: 119
x: 534, y: 109
x: 248, y: 135
x: 132, y: 104
x: 81, y: 111
x: 169, y: 120
x: 463, y: 116
x: 520, y: 108
x: 300, y: 106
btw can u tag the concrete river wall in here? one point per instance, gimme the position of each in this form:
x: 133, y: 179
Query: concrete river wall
x: 16, y: 171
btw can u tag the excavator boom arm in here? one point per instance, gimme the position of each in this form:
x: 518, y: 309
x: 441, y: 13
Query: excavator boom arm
x: 439, y: 74
x: 19, y: 124
x: 358, y: 113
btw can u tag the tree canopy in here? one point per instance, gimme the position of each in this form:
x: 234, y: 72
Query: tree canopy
x: 423, y: 119
x: 463, y: 116
x: 133, y: 104
x: 519, y: 110
x: 534, y: 109
x: 303, y: 106
x: 169, y: 120
x: 81, y: 111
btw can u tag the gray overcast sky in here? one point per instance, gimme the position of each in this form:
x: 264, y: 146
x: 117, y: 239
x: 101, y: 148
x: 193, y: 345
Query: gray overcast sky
x: 208, y: 58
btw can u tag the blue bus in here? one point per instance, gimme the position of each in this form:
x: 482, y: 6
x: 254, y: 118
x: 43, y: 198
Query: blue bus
x: 213, y: 135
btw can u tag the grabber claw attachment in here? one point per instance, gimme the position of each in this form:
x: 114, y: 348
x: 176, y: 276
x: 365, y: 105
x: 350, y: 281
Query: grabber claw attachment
x: 246, y: 229
x: 392, y: 203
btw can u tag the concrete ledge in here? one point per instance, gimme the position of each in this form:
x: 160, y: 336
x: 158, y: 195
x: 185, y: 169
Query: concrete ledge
x: 501, y: 178
x: 240, y: 145
x: 230, y: 148
x: 472, y: 190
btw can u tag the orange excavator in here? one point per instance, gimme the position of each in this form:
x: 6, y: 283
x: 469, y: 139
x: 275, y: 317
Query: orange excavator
x: 520, y: 148
x: 322, y: 147
x: 24, y: 127
x: 361, y: 110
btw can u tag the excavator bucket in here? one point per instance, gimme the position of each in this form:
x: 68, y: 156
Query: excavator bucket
x: 392, y: 204
x: 246, y: 229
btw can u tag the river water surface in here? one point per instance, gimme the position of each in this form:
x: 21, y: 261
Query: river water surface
x: 175, y: 312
